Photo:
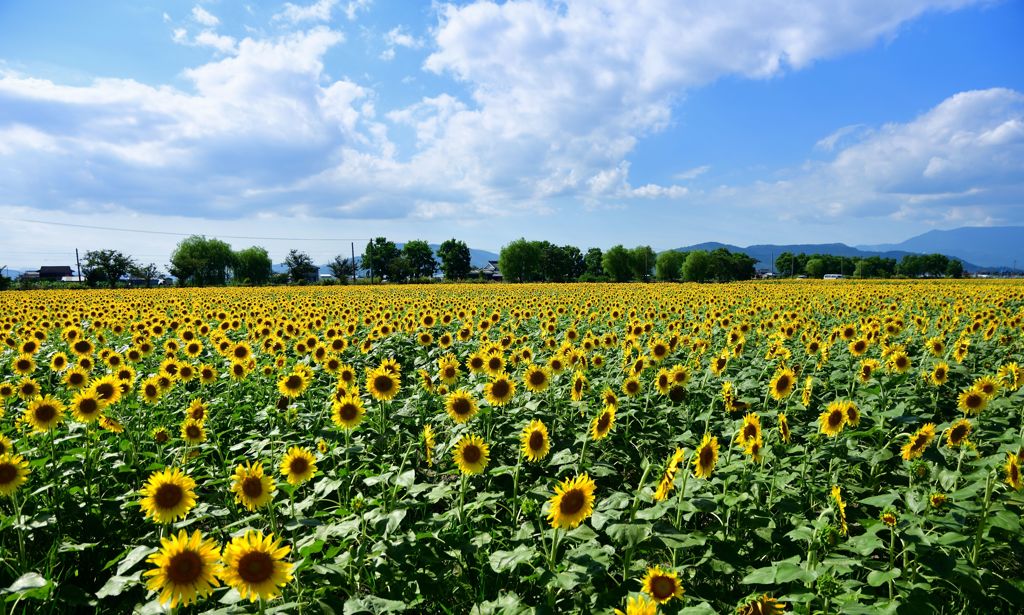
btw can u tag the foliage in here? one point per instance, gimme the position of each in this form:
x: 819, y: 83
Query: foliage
x: 106, y: 266
x: 342, y: 268
x: 871, y: 510
x: 383, y: 259
x: 455, y: 259
x: 252, y: 266
x: 419, y: 258
x: 201, y: 262
x: 301, y: 267
x: 519, y: 261
x: 669, y: 266
x: 618, y: 264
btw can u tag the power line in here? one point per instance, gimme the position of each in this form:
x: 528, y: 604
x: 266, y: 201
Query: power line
x: 146, y: 231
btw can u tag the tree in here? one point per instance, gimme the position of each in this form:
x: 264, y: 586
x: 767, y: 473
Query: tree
x: 815, y: 268
x: 106, y: 266
x: 697, y: 266
x: 253, y: 265
x: 201, y: 261
x: 955, y: 268
x: 519, y: 261
x: 300, y: 266
x: 379, y: 257
x: 592, y: 263
x: 420, y: 258
x: 146, y: 272
x: 617, y: 263
x: 455, y: 259
x: 641, y: 261
x: 669, y: 265
x: 342, y: 268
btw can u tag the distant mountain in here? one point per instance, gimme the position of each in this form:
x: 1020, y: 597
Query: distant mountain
x: 767, y: 253
x: 477, y: 258
x: 985, y: 246
x: 11, y: 273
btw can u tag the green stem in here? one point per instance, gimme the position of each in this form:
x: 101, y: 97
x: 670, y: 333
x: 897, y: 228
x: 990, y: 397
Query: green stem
x: 984, y: 520
x: 892, y: 556
x: 515, y: 489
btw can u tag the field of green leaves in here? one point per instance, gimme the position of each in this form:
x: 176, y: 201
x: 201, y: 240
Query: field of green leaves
x: 810, y: 446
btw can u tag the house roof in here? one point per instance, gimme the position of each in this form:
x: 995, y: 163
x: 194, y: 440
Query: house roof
x: 55, y: 271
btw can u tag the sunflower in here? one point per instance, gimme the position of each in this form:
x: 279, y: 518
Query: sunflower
x: 382, y: 383
x: 918, y: 442
x: 348, y: 412
x: 168, y: 495
x: 59, y: 362
x: 805, y: 397
x: 293, y: 385
x: 763, y: 605
x: 899, y: 362
x: 784, y: 428
x: 935, y: 345
x: 494, y: 364
x: 298, y: 465
x: 852, y: 413
x: 460, y: 405
x: 662, y: 585
x: 939, y: 374
x: 573, y: 502
x: 13, y: 472
x: 1013, y: 471
x: 833, y: 419
x: 837, y: 496
x: 867, y: 369
x: 579, y: 386
x: 28, y: 388
x: 7, y: 390
x: 602, y: 424
x: 471, y: 454
x: 111, y: 425
x: 782, y: 384
x: 956, y: 435
x: 706, y: 457
x: 251, y: 486
x: 185, y: 568
x: 938, y: 500
x: 631, y: 386
x: 888, y: 518
x: 663, y: 381
x: 639, y: 605
x: 197, y: 410
x: 207, y: 374
x: 536, y: 378
x: 668, y: 477
x: 44, y: 413
x: 23, y: 365
x: 987, y: 385
x: 161, y: 435
x: 193, y: 431
x: 254, y: 566
x: 972, y: 401
x: 429, y: 442
x: 150, y: 391
x: 448, y: 369
x: 749, y: 431
x: 499, y: 390
x: 86, y: 406
x: 6, y: 446
x: 535, y: 443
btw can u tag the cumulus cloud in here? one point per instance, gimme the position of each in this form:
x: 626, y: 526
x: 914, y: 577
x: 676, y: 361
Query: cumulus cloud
x: 559, y: 94
x: 960, y: 162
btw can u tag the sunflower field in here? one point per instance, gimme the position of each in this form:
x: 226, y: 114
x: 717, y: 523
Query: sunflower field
x: 804, y: 446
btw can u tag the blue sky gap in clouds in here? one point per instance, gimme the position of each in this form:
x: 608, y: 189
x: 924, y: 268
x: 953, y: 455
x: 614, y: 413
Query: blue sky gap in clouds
x: 587, y: 122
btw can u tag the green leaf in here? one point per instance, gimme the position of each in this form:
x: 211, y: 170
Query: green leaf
x: 117, y: 584
x: 507, y: 561
x: 27, y: 581
x: 630, y: 534
x: 134, y: 556
x: 879, y: 577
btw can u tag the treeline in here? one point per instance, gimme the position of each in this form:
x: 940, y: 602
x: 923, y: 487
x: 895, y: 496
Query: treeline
x: 542, y: 261
x: 910, y: 266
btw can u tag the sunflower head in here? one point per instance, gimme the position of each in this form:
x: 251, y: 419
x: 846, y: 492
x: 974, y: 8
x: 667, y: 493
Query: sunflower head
x: 251, y: 486
x: 782, y: 383
x: 535, y: 442
x: 13, y: 470
x: 471, y: 454
x: 348, y: 411
x: 254, y: 565
x: 184, y: 569
x: 460, y: 405
x: 298, y: 465
x: 44, y: 413
x: 168, y: 495
x: 706, y: 457
x: 573, y: 502
x: 382, y: 383
x: 602, y: 424
x: 662, y: 585
x: 499, y: 390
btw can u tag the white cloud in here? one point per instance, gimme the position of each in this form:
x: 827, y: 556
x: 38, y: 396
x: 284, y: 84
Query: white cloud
x: 222, y: 43
x: 320, y: 10
x: 397, y: 37
x: 962, y: 161
x: 204, y: 17
x: 693, y: 173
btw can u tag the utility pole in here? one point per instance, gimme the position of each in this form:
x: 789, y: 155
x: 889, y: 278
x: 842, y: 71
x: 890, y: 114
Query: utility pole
x: 353, y: 246
x: 79, y: 264
x: 792, y: 265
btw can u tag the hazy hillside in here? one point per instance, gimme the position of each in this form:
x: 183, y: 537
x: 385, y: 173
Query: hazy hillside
x: 985, y: 246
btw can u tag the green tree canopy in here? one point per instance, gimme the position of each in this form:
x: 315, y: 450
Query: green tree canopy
x: 520, y: 261
x: 618, y: 264
x: 642, y: 260
x: 455, y: 259
x: 697, y: 266
x: 106, y: 266
x: 201, y: 261
x: 592, y: 263
x: 669, y: 266
x: 380, y: 256
x: 342, y: 268
x: 253, y: 265
x: 300, y: 267
x: 420, y: 258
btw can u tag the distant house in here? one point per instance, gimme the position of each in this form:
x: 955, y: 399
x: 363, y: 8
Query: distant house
x: 53, y: 274
x: 489, y: 271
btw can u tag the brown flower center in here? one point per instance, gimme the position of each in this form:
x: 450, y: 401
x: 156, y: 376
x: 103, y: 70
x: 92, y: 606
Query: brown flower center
x: 500, y: 389
x: 383, y: 383
x: 536, y: 441
x: 255, y: 567
x: 8, y: 473
x: 252, y: 487
x: 663, y: 587
x: 461, y: 406
x: 572, y: 502
x: 471, y: 453
x: 168, y: 496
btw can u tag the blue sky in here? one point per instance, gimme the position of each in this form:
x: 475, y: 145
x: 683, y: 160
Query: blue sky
x: 593, y: 123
